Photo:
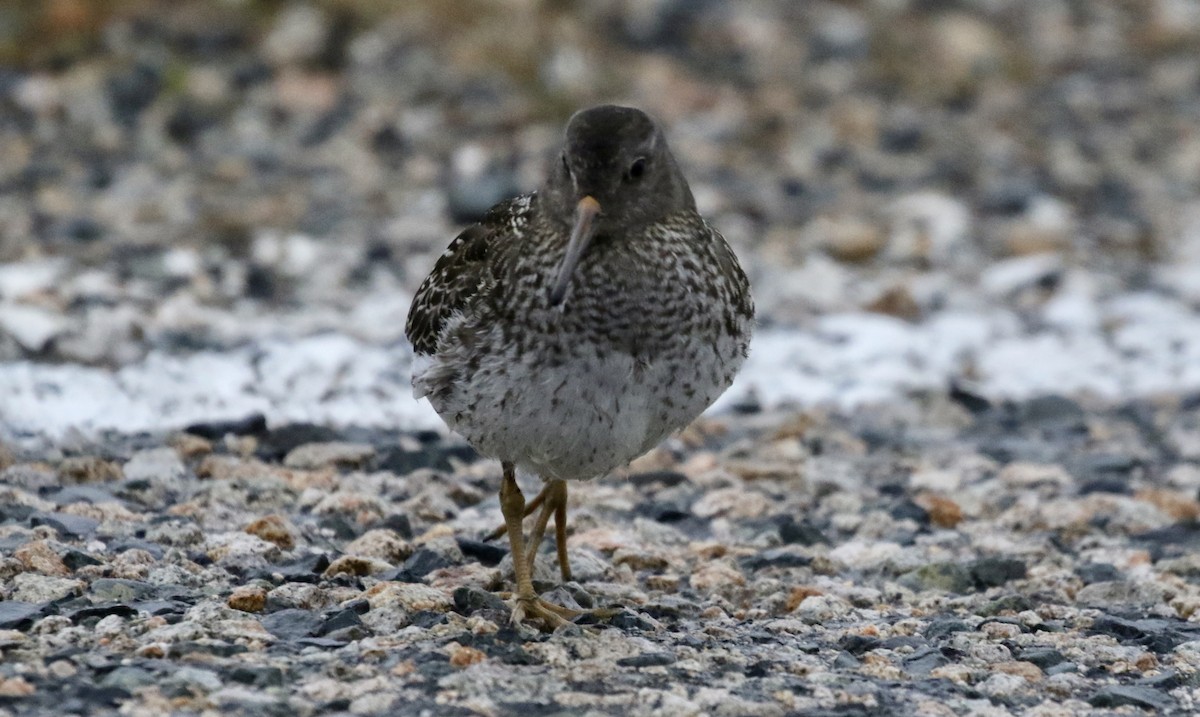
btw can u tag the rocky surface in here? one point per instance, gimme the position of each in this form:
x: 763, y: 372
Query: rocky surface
x: 959, y: 475
x: 948, y: 556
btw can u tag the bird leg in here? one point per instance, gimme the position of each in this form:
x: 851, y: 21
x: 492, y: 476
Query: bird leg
x: 560, y: 536
x: 552, y: 500
x: 512, y: 504
x: 555, y: 504
x: 529, y: 508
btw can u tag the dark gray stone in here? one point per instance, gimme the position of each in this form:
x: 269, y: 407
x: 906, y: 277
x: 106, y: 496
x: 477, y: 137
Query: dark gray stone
x: 490, y: 554
x: 506, y: 646
x: 340, y: 525
x: 908, y: 510
x: 1158, y: 635
x: 1098, y: 573
x: 340, y: 620
x: 1106, y: 464
x: 120, y: 546
x: 96, y: 612
x: 1055, y: 413
x: 648, y: 659
x: 1119, y: 628
x: 257, y: 675
x: 324, y: 643
x: 400, y: 523
x: 438, y: 457
x: 1172, y: 540
x: 9, y: 543
x: 252, y: 425
x: 995, y: 571
x: 133, y: 90
x: 667, y: 606
x: 161, y: 607
x: 966, y: 396
x: 922, y: 662
x: 1006, y: 449
x: 941, y: 627
x: 120, y: 590
x: 129, y: 678
x: 67, y: 525
x: 82, y: 229
x: 626, y: 619
x: 1117, y: 485
x: 82, y: 494
x: 902, y: 134
x: 427, y: 619
x: 858, y: 644
x: 17, y: 615
x: 906, y: 642
x: 215, y: 648
x: 16, y: 512
x: 1043, y: 657
x: 1009, y: 197
x: 666, y: 511
x: 762, y: 668
x: 293, y: 624
x: 76, y: 559
x: 1007, y: 603
x: 1146, y: 698
x: 418, y: 565
x: 304, y: 569
x: 666, y: 479
x: 1169, y: 680
x: 580, y: 596
x: 946, y: 577
x: 776, y: 558
x: 92, y: 696
x: 278, y: 442
x: 802, y: 532
x: 468, y: 600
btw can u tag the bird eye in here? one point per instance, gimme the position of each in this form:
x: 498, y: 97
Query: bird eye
x: 638, y: 168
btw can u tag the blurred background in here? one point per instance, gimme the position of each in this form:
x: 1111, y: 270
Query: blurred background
x: 994, y: 193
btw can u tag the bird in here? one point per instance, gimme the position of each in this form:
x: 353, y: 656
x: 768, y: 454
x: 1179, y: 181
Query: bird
x: 575, y: 327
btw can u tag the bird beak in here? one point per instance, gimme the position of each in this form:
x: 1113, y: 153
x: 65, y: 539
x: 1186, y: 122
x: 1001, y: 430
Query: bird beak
x: 581, y: 235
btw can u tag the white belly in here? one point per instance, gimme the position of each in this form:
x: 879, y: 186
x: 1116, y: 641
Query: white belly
x: 577, y: 420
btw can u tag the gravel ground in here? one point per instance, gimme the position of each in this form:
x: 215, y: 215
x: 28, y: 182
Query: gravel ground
x: 948, y: 557
x: 959, y: 475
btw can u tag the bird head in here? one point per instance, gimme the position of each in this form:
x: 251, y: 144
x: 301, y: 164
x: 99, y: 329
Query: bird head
x: 615, y: 175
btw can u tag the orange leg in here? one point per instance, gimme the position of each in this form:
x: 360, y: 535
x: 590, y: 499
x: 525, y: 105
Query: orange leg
x: 512, y: 504
x: 553, y: 501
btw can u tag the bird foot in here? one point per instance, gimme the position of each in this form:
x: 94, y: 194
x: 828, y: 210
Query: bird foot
x: 551, y: 616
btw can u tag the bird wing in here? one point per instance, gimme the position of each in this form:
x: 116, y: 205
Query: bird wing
x: 461, y: 273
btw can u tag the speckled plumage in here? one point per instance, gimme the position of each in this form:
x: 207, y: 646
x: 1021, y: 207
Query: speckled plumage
x: 653, y: 328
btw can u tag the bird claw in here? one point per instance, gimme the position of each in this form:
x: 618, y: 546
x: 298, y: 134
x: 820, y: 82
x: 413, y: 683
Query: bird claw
x: 551, y: 616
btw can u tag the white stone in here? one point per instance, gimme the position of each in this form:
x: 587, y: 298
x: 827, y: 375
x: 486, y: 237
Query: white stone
x: 298, y: 34
x: 236, y: 545
x: 865, y: 555
x: 927, y: 224
x: 22, y: 278
x: 155, y: 464
x: 1004, y: 277
x: 935, y: 479
x: 33, y: 327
